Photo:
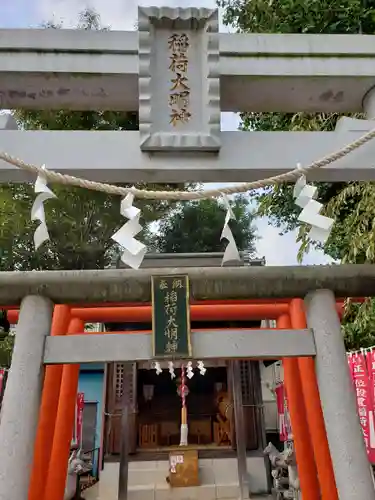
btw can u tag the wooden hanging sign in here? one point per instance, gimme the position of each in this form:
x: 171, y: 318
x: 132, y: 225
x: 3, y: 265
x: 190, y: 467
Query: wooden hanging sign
x: 170, y: 317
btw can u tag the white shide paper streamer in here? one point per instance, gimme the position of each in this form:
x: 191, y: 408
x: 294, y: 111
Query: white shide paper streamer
x: 305, y: 195
x: 201, y: 368
x: 231, y: 251
x: 189, y: 370
x: 133, y: 250
x: 37, y: 210
x: 157, y: 367
x: 171, y: 369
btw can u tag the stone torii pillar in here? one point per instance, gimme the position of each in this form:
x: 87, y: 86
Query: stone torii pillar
x: 21, y: 403
x: 352, y: 470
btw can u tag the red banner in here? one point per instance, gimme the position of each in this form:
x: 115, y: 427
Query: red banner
x: 362, y: 370
x: 371, y: 374
x: 283, y: 414
x: 2, y: 375
x: 3, y: 379
x: 80, y: 405
x: 78, y: 424
x: 364, y: 389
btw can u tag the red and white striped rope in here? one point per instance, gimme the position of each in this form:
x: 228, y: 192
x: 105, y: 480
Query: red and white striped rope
x: 183, y: 386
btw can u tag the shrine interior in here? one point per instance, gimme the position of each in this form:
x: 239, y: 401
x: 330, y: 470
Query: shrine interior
x: 154, y: 426
x: 159, y: 408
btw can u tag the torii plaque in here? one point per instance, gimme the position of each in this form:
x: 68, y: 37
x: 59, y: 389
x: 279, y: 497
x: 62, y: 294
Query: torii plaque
x: 179, y: 80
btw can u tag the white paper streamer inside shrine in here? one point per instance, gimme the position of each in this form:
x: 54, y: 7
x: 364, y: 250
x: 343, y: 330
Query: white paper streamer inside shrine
x: 189, y: 368
x: 157, y: 367
x: 133, y: 250
x: 231, y: 251
x: 171, y: 369
x: 37, y: 210
x: 305, y: 195
x: 201, y: 368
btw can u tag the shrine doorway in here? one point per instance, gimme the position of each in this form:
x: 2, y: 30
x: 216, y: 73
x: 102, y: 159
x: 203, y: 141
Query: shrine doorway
x: 145, y: 447
x: 210, y: 412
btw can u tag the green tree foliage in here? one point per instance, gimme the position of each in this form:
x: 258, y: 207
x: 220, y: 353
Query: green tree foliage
x: 6, y: 349
x: 300, y: 16
x: 351, y: 205
x: 6, y: 341
x: 196, y: 227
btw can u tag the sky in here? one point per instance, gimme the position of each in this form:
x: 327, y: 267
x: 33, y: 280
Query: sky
x: 122, y: 15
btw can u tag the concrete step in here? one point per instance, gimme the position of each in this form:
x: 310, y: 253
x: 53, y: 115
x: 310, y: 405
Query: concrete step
x: 147, y: 481
x: 165, y: 492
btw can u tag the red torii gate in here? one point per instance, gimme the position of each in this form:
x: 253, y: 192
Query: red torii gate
x: 61, y: 383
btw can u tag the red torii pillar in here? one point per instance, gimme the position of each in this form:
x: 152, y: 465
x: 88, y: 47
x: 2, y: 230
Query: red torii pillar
x: 48, y: 411
x: 307, y: 471
x: 57, y: 471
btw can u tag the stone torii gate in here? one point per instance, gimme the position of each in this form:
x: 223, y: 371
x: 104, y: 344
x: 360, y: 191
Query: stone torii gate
x: 179, y: 100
